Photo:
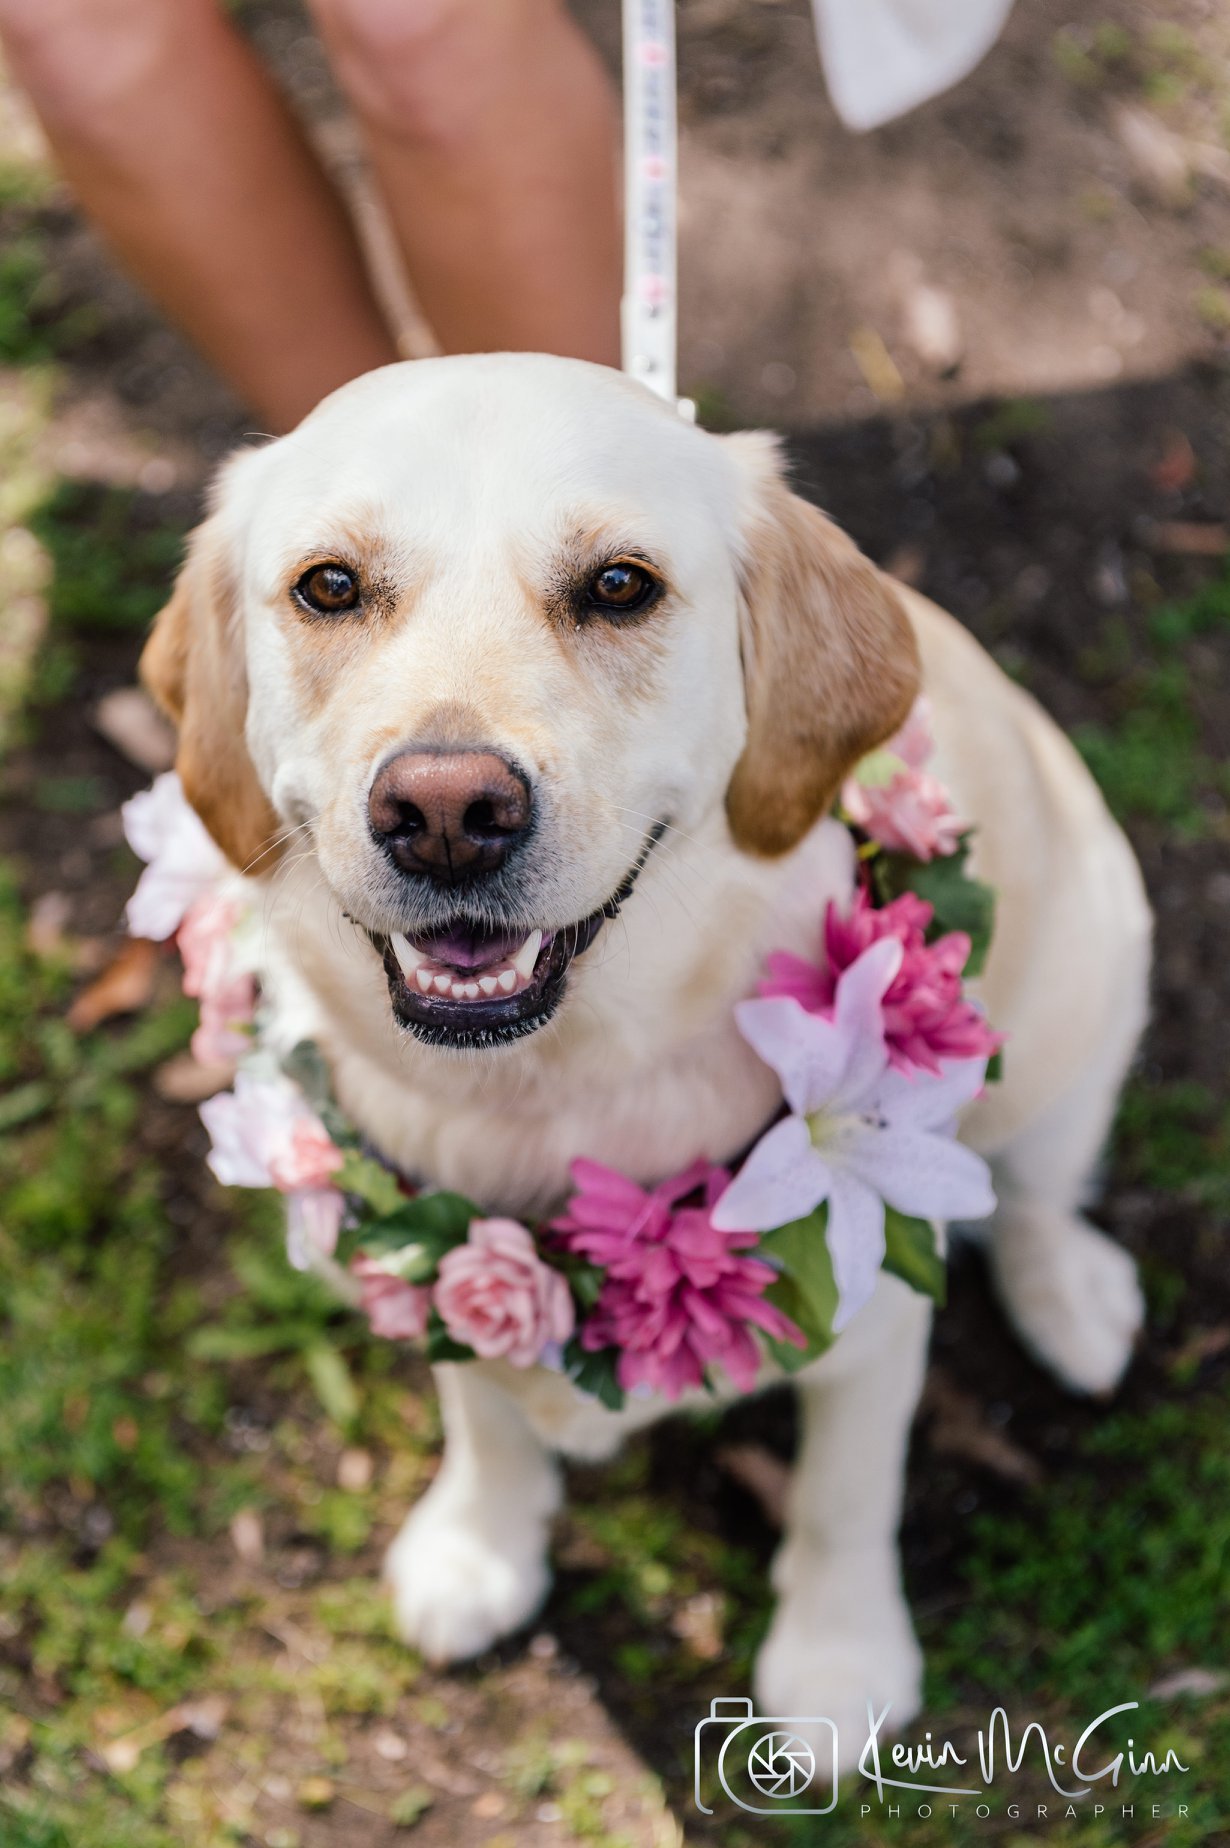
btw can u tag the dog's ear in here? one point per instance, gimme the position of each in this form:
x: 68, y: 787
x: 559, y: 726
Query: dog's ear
x: 829, y: 658
x: 194, y: 667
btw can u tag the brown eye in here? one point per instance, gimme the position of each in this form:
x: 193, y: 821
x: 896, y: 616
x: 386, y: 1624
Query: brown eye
x: 328, y: 590
x: 622, y: 589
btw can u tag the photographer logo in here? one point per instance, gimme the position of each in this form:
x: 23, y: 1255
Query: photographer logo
x: 764, y: 1763
x: 774, y: 1766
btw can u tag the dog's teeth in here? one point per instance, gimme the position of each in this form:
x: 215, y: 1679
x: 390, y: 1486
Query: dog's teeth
x: 523, y: 962
x: 408, y: 957
x: 507, y: 980
x: 424, y: 979
x: 488, y: 984
x: 470, y: 991
x: 443, y: 984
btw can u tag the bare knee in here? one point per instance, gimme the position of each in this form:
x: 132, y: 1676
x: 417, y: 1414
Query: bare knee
x: 81, y: 60
x: 428, y: 70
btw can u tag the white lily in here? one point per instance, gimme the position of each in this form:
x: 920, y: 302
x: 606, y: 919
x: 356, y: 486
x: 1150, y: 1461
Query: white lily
x: 860, y: 1135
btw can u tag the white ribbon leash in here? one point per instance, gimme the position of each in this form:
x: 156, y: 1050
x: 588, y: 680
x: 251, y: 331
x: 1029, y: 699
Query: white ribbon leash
x: 651, y: 164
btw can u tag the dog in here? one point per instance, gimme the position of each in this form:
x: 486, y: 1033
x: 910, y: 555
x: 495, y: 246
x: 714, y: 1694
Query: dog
x: 500, y: 645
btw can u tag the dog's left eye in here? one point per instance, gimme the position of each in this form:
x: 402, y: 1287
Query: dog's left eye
x: 622, y: 588
x: 328, y: 590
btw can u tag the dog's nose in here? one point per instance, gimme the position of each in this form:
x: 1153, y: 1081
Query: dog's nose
x: 449, y: 815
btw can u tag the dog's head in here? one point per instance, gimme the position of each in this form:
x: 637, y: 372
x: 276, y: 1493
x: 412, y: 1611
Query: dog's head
x: 483, y: 629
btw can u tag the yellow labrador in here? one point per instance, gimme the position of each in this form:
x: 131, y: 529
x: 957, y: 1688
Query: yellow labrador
x: 491, y: 649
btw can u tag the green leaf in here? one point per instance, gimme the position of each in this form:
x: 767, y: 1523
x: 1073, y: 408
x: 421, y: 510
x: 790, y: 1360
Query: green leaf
x: 786, y: 1295
x: 911, y: 1253
x: 960, y: 901
x: 597, y: 1374
x: 411, y: 1240
x: 369, y: 1181
x: 878, y: 769
x: 24, y: 1103
x: 218, y: 1343
x: 440, y: 1344
x: 585, y: 1280
x: 806, y: 1290
x: 334, y: 1387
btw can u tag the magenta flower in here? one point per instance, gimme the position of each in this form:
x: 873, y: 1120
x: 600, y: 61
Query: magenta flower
x: 677, y: 1297
x: 927, y: 1017
x: 894, y: 798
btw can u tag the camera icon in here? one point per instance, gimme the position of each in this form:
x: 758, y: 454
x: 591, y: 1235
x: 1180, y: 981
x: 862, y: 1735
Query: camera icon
x: 764, y: 1764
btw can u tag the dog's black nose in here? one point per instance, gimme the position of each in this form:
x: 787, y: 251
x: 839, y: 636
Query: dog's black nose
x: 449, y: 815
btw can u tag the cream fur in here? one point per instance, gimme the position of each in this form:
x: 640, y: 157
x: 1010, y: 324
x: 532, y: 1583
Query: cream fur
x: 464, y: 477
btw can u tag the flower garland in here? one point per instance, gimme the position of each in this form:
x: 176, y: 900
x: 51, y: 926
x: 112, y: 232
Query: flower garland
x: 632, y: 1288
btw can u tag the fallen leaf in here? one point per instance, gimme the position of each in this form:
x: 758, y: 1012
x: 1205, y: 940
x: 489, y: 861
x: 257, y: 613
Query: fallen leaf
x: 1197, y: 1681
x: 124, y: 986
x: 131, y: 723
x: 958, y: 1426
x: 1176, y: 468
x: 354, y: 1471
x: 877, y: 365
x: 1205, y: 1344
x: 698, y: 1623
x: 931, y: 325
x: 1197, y: 538
x: 390, y: 1746
x: 204, y: 1718
x: 1158, y: 159
x: 247, y: 1532
x: 490, y: 1805
x: 763, y: 1475
x: 185, y: 1080
x: 315, y: 1793
x: 49, y: 914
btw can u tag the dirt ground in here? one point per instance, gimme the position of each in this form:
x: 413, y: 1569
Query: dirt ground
x: 1043, y: 478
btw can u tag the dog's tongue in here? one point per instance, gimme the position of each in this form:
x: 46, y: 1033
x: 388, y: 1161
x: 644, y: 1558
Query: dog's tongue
x: 468, y: 947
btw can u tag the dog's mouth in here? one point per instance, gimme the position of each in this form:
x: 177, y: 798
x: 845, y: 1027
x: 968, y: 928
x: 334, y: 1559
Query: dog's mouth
x: 468, y: 985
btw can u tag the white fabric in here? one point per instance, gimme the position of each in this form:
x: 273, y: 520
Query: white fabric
x: 883, y: 57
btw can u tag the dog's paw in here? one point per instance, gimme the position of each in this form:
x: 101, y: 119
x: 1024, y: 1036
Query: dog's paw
x: 455, y: 1590
x: 832, y: 1648
x: 1073, y: 1296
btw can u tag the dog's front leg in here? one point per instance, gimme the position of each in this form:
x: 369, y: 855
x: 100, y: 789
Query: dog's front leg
x: 842, y: 1634
x: 470, y: 1563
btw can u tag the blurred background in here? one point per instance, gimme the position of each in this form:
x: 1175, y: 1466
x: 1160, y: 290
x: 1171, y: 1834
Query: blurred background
x: 997, y: 335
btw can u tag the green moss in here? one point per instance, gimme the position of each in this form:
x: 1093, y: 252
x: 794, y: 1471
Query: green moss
x: 1154, y: 763
x: 114, y: 554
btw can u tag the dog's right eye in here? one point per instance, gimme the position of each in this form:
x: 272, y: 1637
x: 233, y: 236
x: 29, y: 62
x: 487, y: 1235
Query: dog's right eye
x: 328, y: 590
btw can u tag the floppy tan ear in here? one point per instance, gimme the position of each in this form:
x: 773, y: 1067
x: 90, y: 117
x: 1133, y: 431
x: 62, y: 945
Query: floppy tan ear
x: 193, y: 666
x: 830, y: 662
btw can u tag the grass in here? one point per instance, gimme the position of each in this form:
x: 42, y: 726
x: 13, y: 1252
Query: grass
x: 162, y: 1372
x: 1155, y: 763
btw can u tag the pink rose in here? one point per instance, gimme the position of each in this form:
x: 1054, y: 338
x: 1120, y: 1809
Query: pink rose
x: 906, y: 810
x: 495, y: 1294
x: 397, y: 1310
x: 183, y: 863
x: 220, y: 1038
x: 314, y: 1218
x: 227, y: 993
x: 265, y: 1135
x: 307, y: 1158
